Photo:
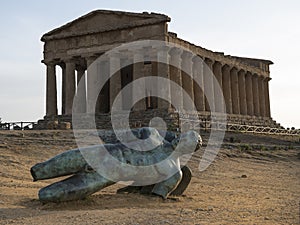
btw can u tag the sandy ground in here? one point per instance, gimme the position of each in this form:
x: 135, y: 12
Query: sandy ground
x: 242, y: 186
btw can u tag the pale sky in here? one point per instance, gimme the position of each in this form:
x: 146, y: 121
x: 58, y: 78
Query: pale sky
x: 259, y: 28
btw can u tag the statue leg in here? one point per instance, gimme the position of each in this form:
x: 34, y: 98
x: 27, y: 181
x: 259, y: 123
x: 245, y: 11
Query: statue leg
x: 179, y: 190
x: 76, y: 187
x: 145, y: 190
x: 165, y: 187
x: 129, y: 189
x: 66, y: 163
x: 184, y: 182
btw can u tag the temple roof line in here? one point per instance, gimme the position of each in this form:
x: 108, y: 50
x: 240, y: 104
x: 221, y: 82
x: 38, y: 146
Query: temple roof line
x: 146, y: 19
x: 254, y: 62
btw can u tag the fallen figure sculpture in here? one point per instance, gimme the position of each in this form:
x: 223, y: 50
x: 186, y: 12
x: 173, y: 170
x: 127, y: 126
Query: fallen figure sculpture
x: 87, y: 179
x: 168, y: 136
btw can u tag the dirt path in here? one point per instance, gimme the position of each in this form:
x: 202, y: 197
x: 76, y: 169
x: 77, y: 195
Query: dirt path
x: 241, y: 187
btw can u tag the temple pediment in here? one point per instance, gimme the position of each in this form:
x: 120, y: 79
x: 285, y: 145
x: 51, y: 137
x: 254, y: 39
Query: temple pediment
x: 102, y: 21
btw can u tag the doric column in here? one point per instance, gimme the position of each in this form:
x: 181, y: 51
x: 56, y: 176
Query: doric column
x: 208, y: 85
x: 226, y: 84
x: 199, y: 97
x: 138, y: 66
x: 235, y: 91
x: 187, y: 80
x: 242, y: 92
x: 81, y: 90
x: 102, y: 78
x: 218, y: 92
x: 70, y: 86
x: 63, y: 88
x: 267, y: 97
x: 175, y: 76
x: 51, y: 92
x: 261, y: 92
x: 249, y: 94
x: 92, y: 92
x: 115, y: 85
x: 255, y: 95
x: 126, y: 79
x: 163, y: 71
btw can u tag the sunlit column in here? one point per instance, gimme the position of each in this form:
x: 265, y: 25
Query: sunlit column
x: 175, y: 76
x: 255, y: 95
x: 81, y: 90
x: 138, y: 66
x: 163, y: 71
x: 70, y: 86
x: 208, y: 85
x: 226, y: 85
x: 63, y: 89
x: 249, y: 94
x: 242, y: 92
x: 51, y: 92
x: 187, y: 80
x: 199, y: 97
x: 235, y: 91
x: 102, y: 79
x: 92, y: 82
x: 261, y: 92
x: 218, y: 92
x: 267, y: 96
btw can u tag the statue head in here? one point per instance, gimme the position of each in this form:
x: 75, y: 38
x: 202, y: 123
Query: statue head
x: 188, y: 142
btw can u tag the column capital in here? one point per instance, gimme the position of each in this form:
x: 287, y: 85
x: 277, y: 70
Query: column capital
x: 175, y: 51
x: 186, y: 55
x: 260, y: 77
x: 163, y: 54
x: 80, y: 68
x: 234, y: 69
x: 91, y: 57
x: 68, y: 60
x: 267, y: 79
x: 162, y: 48
x: 242, y: 72
x: 217, y: 64
x: 49, y: 63
x: 209, y: 61
x: 115, y: 54
x: 175, y: 56
x: 226, y: 67
x: 197, y: 59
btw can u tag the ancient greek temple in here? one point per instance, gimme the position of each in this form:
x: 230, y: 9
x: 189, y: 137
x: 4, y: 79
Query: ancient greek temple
x: 76, y: 45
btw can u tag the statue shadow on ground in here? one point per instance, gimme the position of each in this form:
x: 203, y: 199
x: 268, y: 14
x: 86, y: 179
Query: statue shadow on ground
x: 106, y: 201
x: 100, y: 201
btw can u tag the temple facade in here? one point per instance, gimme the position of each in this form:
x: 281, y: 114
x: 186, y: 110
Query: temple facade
x: 76, y: 45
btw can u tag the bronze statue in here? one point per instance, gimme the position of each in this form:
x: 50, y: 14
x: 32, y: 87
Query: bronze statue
x: 87, y: 175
